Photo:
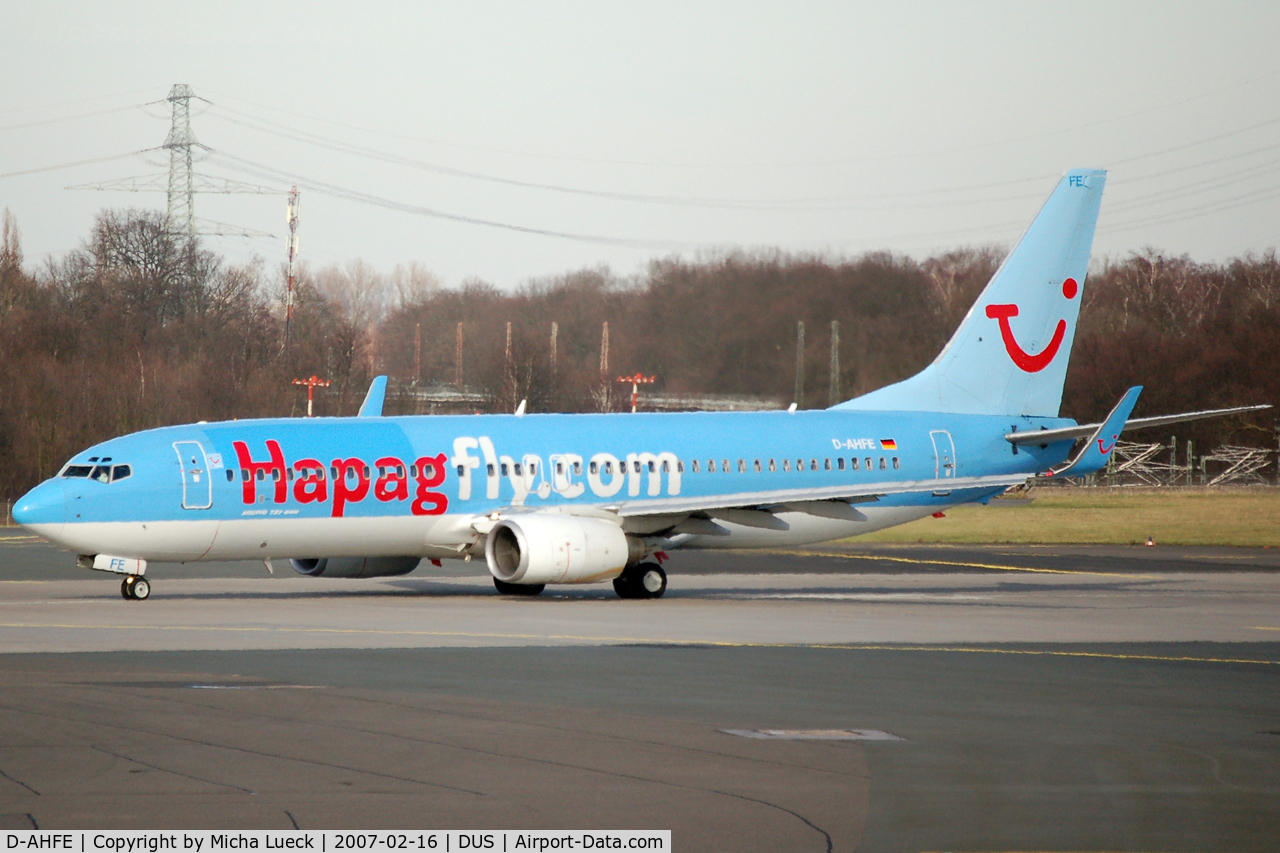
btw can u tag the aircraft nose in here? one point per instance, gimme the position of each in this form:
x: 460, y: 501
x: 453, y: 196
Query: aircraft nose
x: 42, y: 510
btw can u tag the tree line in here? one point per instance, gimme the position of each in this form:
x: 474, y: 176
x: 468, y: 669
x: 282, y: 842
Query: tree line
x: 137, y: 329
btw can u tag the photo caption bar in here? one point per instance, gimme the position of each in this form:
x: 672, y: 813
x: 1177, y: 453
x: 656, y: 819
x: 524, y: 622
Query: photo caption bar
x: 333, y: 841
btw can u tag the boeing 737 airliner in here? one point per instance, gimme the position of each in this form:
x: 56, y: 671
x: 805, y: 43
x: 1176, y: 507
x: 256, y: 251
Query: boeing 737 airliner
x: 554, y: 499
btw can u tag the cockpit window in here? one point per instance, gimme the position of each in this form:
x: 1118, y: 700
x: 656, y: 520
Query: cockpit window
x: 101, y: 473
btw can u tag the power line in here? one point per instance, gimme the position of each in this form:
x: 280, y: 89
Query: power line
x: 75, y: 101
x: 795, y: 205
x: 69, y: 118
x: 774, y: 164
x: 72, y: 165
x: 270, y: 173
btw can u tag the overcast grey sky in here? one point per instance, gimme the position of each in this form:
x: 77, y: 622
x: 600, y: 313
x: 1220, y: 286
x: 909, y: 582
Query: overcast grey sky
x: 647, y: 129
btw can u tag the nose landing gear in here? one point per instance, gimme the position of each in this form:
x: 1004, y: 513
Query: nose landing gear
x: 135, y: 588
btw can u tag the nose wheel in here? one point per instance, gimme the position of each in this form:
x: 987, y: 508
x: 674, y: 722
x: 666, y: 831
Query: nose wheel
x: 135, y: 588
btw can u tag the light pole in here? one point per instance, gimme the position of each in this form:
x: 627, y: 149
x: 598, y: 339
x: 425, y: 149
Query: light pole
x: 312, y: 383
x: 636, y: 381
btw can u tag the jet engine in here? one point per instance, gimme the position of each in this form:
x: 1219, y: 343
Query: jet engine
x: 354, y: 567
x: 541, y: 548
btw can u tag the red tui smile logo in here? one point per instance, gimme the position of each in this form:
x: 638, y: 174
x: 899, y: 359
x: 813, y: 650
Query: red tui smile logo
x: 1025, y: 360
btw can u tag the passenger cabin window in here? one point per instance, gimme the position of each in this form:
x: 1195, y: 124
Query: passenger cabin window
x: 77, y: 470
x: 882, y: 465
x: 756, y: 466
x: 595, y: 468
x: 840, y: 463
x: 694, y: 463
x: 800, y: 465
x: 853, y: 463
x: 488, y: 469
x: 742, y: 466
x: 711, y: 465
x: 724, y: 465
x: 231, y: 475
x: 516, y: 467
x: 813, y: 465
x: 896, y: 463
x: 680, y: 465
x: 773, y: 466
x: 786, y: 464
x: 559, y: 468
x: 577, y: 468
x: 869, y: 464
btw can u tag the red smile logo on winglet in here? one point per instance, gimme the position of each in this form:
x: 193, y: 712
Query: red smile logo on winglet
x: 1025, y: 360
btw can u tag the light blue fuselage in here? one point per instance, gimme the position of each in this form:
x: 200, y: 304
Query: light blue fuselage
x: 917, y: 461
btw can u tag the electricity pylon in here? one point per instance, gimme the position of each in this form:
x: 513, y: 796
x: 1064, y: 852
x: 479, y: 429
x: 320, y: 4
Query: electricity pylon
x: 182, y: 183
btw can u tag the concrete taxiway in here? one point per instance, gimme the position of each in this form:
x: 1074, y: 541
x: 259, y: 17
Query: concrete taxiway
x: 1053, y: 698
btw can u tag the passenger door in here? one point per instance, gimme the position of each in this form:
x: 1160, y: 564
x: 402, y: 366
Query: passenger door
x: 197, y: 485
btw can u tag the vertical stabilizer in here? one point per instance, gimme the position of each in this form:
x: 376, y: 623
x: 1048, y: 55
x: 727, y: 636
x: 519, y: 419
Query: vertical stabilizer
x: 1010, y: 354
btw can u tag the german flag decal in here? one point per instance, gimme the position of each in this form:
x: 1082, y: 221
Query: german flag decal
x: 888, y: 444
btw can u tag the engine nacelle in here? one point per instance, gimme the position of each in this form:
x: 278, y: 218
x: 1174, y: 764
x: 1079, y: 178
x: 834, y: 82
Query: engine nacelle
x: 354, y: 567
x: 553, y: 548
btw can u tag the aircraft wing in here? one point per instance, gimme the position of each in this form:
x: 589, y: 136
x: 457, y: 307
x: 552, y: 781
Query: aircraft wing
x: 753, y: 509
x: 1047, y: 436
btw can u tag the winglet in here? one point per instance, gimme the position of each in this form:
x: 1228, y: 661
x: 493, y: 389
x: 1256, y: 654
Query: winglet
x: 1097, y: 450
x: 372, y: 405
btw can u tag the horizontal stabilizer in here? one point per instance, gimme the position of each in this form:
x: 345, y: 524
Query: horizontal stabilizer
x: 1048, y: 436
x: 1096, y: 451
x: 372, y: 406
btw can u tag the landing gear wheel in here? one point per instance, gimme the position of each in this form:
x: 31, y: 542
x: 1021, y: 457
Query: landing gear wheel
x: 653, y: 581
x: 125, y: 590
x: 142, y: 589
x: 518, y: 588
x: 623, y: 586
x: 641, y: 580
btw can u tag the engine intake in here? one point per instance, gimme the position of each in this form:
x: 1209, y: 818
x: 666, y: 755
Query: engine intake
x: 551, y: 548
x: 354, y: 567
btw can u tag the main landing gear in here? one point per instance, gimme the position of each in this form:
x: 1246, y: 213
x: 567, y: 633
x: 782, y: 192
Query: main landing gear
x: 641, y: 580
x: 135, y: 588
